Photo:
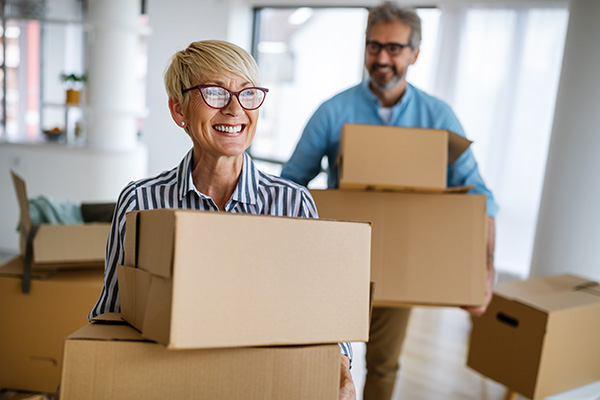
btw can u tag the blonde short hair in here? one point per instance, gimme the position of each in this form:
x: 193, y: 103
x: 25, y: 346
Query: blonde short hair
x: 204, y: 60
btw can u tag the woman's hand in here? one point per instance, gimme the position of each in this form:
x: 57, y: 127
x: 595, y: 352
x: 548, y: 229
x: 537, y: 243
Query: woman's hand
x: 347, y: 390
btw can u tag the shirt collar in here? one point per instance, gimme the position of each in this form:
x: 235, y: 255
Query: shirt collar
x: 245, y: 190
x: 247, y: 186
x: 408, y: 94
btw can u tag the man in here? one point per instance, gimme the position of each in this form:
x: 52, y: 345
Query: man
x: 393, y: 38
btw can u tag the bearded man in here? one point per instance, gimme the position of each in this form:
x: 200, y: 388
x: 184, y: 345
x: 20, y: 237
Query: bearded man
x: 393, y: 36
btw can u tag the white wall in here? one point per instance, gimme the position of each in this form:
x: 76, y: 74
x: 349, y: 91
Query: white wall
x: 175, y: 24
x: 64, y: 173
x: 568, y: 230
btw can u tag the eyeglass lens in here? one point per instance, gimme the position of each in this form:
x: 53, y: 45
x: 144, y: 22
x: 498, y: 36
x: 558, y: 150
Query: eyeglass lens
x: 393, y: 49
x: 219, y: 97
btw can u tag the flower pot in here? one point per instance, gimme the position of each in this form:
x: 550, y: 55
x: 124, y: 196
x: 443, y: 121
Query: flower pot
x: 73, y: 97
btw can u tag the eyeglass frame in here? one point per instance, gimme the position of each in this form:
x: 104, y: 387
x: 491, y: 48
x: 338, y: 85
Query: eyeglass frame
x: 385, y: 46
x: 231, y: 94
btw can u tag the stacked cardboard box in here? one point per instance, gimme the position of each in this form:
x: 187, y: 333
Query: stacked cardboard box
x: 428, y: 240
x: 52, y: 247
x: 35, y: 324
x: 235, y: 306
x: 46, y: 294
x: 127, y: 366
x: 540, y: 336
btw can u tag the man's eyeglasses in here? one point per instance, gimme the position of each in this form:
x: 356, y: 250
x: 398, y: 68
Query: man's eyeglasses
x: 393, y: 49
x: 218, y: 97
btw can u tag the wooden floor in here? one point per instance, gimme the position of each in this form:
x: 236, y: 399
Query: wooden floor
x: 433, y: 362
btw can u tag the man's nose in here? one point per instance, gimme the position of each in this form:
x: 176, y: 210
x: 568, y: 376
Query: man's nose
x: 383, y: 57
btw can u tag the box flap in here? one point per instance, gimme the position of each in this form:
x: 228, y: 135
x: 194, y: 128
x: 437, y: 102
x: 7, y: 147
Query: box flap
x: 131, y: 238
x: 109, y: 317
x: 101, y: 330
x: 551, y: 293
x: 160, y: 237
x: 457, y: 145
x: 24, y: 217
x: 134, y: 286
x: 157, y: 312
x: 20, y: 188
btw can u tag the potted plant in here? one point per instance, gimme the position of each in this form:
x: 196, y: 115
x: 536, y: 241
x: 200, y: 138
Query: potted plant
x: 74, y: 84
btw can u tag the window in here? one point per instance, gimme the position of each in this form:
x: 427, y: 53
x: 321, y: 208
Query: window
x: 41, y: 40
x: 303, y: 62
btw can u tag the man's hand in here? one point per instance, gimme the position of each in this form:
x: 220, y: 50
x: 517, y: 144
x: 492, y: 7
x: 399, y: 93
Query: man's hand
x: 347, y: 390
x: 491, y: 271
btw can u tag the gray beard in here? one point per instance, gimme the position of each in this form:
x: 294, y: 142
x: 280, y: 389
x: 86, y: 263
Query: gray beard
x: 390, y: 85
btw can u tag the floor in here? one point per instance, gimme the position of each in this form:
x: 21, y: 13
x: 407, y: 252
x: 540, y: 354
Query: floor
x: 433, y: 363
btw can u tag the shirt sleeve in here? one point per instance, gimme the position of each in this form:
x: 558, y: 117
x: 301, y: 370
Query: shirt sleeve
x: 309, y: 210
x: 346, y: 349
x: 465, y: 171
x: 305, y: 162
x: 115, y: 254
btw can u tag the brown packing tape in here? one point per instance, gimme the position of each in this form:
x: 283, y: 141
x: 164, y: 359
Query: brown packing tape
x: 26, y: 284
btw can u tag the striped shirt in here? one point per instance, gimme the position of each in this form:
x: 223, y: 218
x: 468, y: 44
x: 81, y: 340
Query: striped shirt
x: 256, y: 193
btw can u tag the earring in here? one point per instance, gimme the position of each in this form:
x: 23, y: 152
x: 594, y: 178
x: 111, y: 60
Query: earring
x: 182, y: 123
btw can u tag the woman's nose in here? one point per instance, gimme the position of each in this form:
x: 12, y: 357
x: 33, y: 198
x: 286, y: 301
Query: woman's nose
x: 234, y: 107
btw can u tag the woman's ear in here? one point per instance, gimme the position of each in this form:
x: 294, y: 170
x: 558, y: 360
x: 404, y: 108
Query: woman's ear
x: 176, y: 112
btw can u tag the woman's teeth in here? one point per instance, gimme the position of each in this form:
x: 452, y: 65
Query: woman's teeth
x: 228, y: 129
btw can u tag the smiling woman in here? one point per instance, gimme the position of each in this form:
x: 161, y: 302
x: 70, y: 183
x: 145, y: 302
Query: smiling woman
x: 214, y: 96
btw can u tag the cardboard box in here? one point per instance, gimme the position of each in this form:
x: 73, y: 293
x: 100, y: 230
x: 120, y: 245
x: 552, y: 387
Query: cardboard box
x: 539, y: 337
x: 12, y: 395
x: 60, y: 246
x: 113, y: 361
x: 33, y: 326
x: 427, y: 249
x: 206, y: 279
x: 386, y: 157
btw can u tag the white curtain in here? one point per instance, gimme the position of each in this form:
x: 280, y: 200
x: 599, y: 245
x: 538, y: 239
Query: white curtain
x: 498, y: 67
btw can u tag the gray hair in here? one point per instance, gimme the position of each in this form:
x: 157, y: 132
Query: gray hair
x: 389, y: 11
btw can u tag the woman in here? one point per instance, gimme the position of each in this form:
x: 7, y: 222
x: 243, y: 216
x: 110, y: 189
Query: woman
x: 214, y: 96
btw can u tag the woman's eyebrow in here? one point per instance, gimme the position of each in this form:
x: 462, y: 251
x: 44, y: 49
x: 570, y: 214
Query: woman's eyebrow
x: 221, y: 83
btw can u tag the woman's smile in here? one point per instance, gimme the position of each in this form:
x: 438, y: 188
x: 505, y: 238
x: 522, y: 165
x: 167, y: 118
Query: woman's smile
x: 229, y: 130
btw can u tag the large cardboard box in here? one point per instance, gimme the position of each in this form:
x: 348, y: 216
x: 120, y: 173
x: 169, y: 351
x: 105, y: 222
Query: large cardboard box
x: 386, y: 157
x: 113, y: 361
x: 197, y: 279
x: 33, y: 326
x: 427, y: 249
x: 60, y: 246
x: 540, y: 336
